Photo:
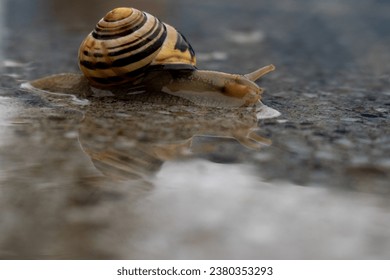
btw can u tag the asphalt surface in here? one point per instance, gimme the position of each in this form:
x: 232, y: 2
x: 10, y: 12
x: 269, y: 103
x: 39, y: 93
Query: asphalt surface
x: 108, y: 179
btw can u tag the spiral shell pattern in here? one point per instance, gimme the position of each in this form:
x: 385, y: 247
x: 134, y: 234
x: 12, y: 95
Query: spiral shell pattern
x: 125, y: 43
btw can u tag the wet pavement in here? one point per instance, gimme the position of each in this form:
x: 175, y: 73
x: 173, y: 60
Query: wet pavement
x: 108, y: 179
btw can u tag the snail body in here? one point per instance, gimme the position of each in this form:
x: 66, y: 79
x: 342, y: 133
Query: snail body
x: 131, y: 49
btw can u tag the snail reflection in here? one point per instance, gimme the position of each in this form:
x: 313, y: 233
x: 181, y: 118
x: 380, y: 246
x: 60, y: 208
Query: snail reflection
x: 133, y: 142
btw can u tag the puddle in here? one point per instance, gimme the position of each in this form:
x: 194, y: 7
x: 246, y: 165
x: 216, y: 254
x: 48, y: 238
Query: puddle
x: 87, y: 158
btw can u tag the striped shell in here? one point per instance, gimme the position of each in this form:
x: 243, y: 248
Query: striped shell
x: 126, y: 43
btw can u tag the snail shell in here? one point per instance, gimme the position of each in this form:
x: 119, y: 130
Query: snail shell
x: 131, y: 49
x: 128, y: 42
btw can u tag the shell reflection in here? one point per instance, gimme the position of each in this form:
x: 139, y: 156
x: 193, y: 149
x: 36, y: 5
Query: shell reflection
x: 130, y: 141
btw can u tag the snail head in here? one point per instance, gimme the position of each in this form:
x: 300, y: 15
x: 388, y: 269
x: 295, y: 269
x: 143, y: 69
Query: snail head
x: 244, y: 86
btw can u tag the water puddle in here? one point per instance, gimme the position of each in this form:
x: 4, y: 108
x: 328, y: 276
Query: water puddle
x: 93, y: 167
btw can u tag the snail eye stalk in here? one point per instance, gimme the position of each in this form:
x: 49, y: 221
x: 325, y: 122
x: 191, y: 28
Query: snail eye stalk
x: 255, y: 75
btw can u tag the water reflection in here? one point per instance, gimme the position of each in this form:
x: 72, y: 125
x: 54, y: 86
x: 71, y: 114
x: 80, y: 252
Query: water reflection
x: 132, y: 141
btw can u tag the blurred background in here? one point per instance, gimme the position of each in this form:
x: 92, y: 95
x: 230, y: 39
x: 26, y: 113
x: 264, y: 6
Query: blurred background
x: 316, y: 38
x: 317, y: 189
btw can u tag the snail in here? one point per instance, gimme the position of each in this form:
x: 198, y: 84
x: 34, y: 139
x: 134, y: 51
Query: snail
x: 131, y: 51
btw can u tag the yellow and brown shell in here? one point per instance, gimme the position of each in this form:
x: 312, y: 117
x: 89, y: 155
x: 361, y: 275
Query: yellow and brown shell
x: 125, y: 43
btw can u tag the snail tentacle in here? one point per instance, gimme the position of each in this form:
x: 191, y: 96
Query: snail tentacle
x: 255, y: 75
